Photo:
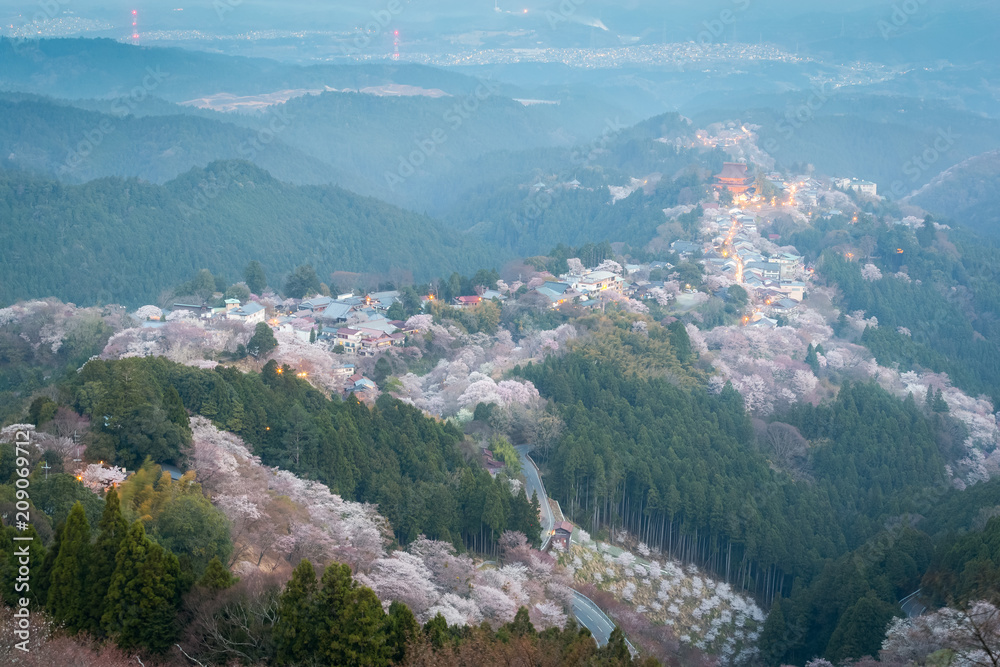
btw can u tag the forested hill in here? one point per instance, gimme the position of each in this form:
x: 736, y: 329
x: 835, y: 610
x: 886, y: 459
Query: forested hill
x: 76, y: 145
x: 125, y: 241
x: 968, y: 192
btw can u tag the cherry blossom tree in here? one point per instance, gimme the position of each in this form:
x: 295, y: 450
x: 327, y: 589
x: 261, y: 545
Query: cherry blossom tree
x: 871, y: 273
x: 147, y: 313
x: 610, y: 265
x: 971, y: 633
x: 98, y: 477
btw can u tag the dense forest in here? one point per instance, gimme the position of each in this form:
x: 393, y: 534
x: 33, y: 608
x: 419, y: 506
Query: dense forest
x: 126, y: 241
x: 410, y: 465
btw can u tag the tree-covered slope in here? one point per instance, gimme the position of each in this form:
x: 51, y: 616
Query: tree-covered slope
x: 115, y: 240
x: 967, y: 193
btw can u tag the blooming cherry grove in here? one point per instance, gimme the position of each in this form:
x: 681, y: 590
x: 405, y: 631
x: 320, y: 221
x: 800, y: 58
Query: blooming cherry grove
x: 707, y: 614
x: 429, y: 576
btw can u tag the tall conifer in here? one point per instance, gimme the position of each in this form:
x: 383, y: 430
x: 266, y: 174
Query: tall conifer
x: 67, y: 598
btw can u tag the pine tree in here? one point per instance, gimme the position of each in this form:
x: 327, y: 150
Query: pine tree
x: 41, y: 585
x: 294, y: 633
x: 861, y: 628
x: 436, y: 631
x: 11, y: 589
x: 113, y: 529
x: 812, y: 359
x: 67, y: 596
x: 312, y: 335
x: 939, y: 405
x: 772, y: 641
x: 352, y: 628
x: 365, y: 628
x: 403, y: 628
x: 615, y: 652
x: 174, y: 406
x: 143, y: 597
x: 521, y: 625
x: 680, y: 341
x: 216, y: 576
x: 261, y: 343
x: 254, y: 277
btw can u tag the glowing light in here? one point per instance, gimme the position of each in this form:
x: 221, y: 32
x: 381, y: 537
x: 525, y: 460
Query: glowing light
x: 134, y: 12
x: 525, y: 11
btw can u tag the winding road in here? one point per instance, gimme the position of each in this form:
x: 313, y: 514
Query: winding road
x: 587, y: 613
x: 533, y: 484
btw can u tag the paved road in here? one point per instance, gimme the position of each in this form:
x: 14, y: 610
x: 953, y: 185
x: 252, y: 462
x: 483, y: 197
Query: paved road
x: 590, y: 616
x: 586, y: 611
x: 534, y: 485
x: 912, y: 605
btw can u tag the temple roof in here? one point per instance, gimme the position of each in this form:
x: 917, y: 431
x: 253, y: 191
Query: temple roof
x: 736, y: 170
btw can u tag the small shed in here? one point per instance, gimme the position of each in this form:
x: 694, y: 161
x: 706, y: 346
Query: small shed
x: 560, y: 536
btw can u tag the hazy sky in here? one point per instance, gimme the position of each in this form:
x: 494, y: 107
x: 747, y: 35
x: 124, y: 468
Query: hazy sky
x: 966, y: 28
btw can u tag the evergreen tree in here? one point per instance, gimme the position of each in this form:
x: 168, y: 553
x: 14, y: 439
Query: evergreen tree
x: 381, y: 371
x: 302, y: 283
x: 772, y: 640
x: 925, y: 233
x: 436, y: 631
x: 254, y: 277
x: 680, y: 341
x: 350, y: 623
x: 294, y: 633
x: 861, y: 629
x: 68, y: 583
x: 812, y: 359
x: 143, y: 598
x: 615, y: 653
x: 41, y: 585
x: 174, y: 406
x: 521, y: 625
x: 312, y: 335
x: 113, y: 529
x: 939, y: 404
x: 10, y: 565
x: 403, y: 628
x: 216, y: 576
x: 364, y: 630
x: 262, y: 341
x: 396, y: 311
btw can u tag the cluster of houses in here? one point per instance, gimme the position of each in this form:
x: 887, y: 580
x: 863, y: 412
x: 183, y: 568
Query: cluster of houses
x: 775, y: 282
x: 249, y: 313
x: 358, y: 324
x: 583, y: 287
